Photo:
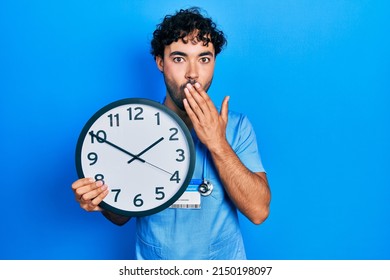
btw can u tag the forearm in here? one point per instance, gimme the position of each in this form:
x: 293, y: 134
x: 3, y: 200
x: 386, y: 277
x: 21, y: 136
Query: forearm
x: 115, y: 218
x: 249, y: 191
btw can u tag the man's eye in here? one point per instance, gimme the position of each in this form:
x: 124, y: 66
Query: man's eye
x: 205, y: 59
x: 177, y: 59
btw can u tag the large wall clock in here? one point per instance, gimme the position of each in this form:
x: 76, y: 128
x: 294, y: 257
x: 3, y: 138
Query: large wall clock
x: 142, y: 150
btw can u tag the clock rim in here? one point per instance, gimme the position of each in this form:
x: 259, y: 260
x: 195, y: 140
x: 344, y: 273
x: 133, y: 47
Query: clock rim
x: 176, y: 118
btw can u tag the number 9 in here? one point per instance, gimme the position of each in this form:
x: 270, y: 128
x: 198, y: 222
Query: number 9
x: 93, y: 157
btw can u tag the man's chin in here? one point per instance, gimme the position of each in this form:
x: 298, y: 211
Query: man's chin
x: 178, y: 103
x: 181, y: 106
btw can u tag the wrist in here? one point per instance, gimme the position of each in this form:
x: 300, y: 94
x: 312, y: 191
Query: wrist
x: 220, y: 148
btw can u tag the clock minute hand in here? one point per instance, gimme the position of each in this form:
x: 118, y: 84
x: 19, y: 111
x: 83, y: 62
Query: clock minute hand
x: 116, y: 147
x: 147, y: 149
x: 102, y: 140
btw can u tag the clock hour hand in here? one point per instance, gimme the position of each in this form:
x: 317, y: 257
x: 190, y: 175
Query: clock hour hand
x: 147, y: 149
x: 102, y: 140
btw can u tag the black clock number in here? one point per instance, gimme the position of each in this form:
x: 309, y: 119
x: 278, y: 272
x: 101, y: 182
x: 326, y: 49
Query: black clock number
x: 175, y: 177
x: 181, y: 155
x: 160, y: 193
x: 93, y: 157
x: 138, y: 202
x: 99, y: 177
x: 114, y: 119
x: 116, y: 191
x: 175, y: 131
x: 158, y: 117
x: 137, y: 113
x: 100, y: 136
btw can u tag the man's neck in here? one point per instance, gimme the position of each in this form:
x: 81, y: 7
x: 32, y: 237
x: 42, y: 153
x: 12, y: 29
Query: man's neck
x: 182, y: 114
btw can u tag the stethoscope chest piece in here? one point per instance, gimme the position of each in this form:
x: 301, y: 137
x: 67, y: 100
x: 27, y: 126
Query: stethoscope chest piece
x: 205, y: 188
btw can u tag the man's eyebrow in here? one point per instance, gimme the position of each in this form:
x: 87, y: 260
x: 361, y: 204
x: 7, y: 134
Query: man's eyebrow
x: 177, y: 53
x: 207, y: 53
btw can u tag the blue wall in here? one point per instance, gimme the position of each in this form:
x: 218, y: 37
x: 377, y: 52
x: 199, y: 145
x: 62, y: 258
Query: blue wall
x: 313, y: 77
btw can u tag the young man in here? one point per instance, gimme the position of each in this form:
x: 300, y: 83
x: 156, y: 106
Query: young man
x: 185, y: 46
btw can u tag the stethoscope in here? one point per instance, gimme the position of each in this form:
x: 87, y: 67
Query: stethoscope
x: 205, y: 187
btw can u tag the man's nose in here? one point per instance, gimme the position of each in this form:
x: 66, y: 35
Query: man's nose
x: 192, y: 72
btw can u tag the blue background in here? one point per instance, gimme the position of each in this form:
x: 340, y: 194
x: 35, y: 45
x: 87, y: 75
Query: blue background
x: 313, y: 77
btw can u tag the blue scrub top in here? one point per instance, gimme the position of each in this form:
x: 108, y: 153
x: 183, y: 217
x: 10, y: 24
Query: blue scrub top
x: 213, y: 231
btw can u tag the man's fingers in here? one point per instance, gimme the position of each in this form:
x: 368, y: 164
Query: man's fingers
x: 189, y: 111
x: 91, y: 192
x: 82, y: 182
x: 195, y: 101
x: 204, y: 99
x: 200, y: 102
x: 91, y: 200
x: 96, y: 201
x: 225, y: 108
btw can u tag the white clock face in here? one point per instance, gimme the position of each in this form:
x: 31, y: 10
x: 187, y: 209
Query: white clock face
x: 142, y: 151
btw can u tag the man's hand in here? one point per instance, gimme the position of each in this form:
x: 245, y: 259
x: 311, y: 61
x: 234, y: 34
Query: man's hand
x: 249, y: 191
x: 209, y: 124
x: 89, y: 193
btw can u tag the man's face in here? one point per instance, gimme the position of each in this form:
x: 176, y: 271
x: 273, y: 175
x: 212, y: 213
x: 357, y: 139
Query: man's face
x: 186, y: 63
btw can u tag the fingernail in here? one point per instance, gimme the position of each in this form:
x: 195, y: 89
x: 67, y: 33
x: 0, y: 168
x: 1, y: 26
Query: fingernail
x: 197, y: 85
x: 99, y: 183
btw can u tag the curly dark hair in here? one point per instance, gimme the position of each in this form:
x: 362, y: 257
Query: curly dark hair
x: 183, y: 23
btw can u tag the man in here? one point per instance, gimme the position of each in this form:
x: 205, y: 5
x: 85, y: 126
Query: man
x: 185, y: 46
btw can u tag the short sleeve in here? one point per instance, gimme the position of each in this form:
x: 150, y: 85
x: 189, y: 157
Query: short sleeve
x: 242, y: 138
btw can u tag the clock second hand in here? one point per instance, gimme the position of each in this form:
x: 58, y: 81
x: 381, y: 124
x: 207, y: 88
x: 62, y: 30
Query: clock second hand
x: 147, y: 149
x: 158, y: 168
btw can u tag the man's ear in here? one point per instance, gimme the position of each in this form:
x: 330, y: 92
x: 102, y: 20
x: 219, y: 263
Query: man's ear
x: 160, y: 63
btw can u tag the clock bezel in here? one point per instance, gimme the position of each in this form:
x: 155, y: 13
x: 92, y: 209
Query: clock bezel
x: 161, y: 107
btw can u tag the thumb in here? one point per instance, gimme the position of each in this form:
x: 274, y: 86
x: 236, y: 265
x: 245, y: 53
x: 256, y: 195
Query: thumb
x: 224, y: 109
